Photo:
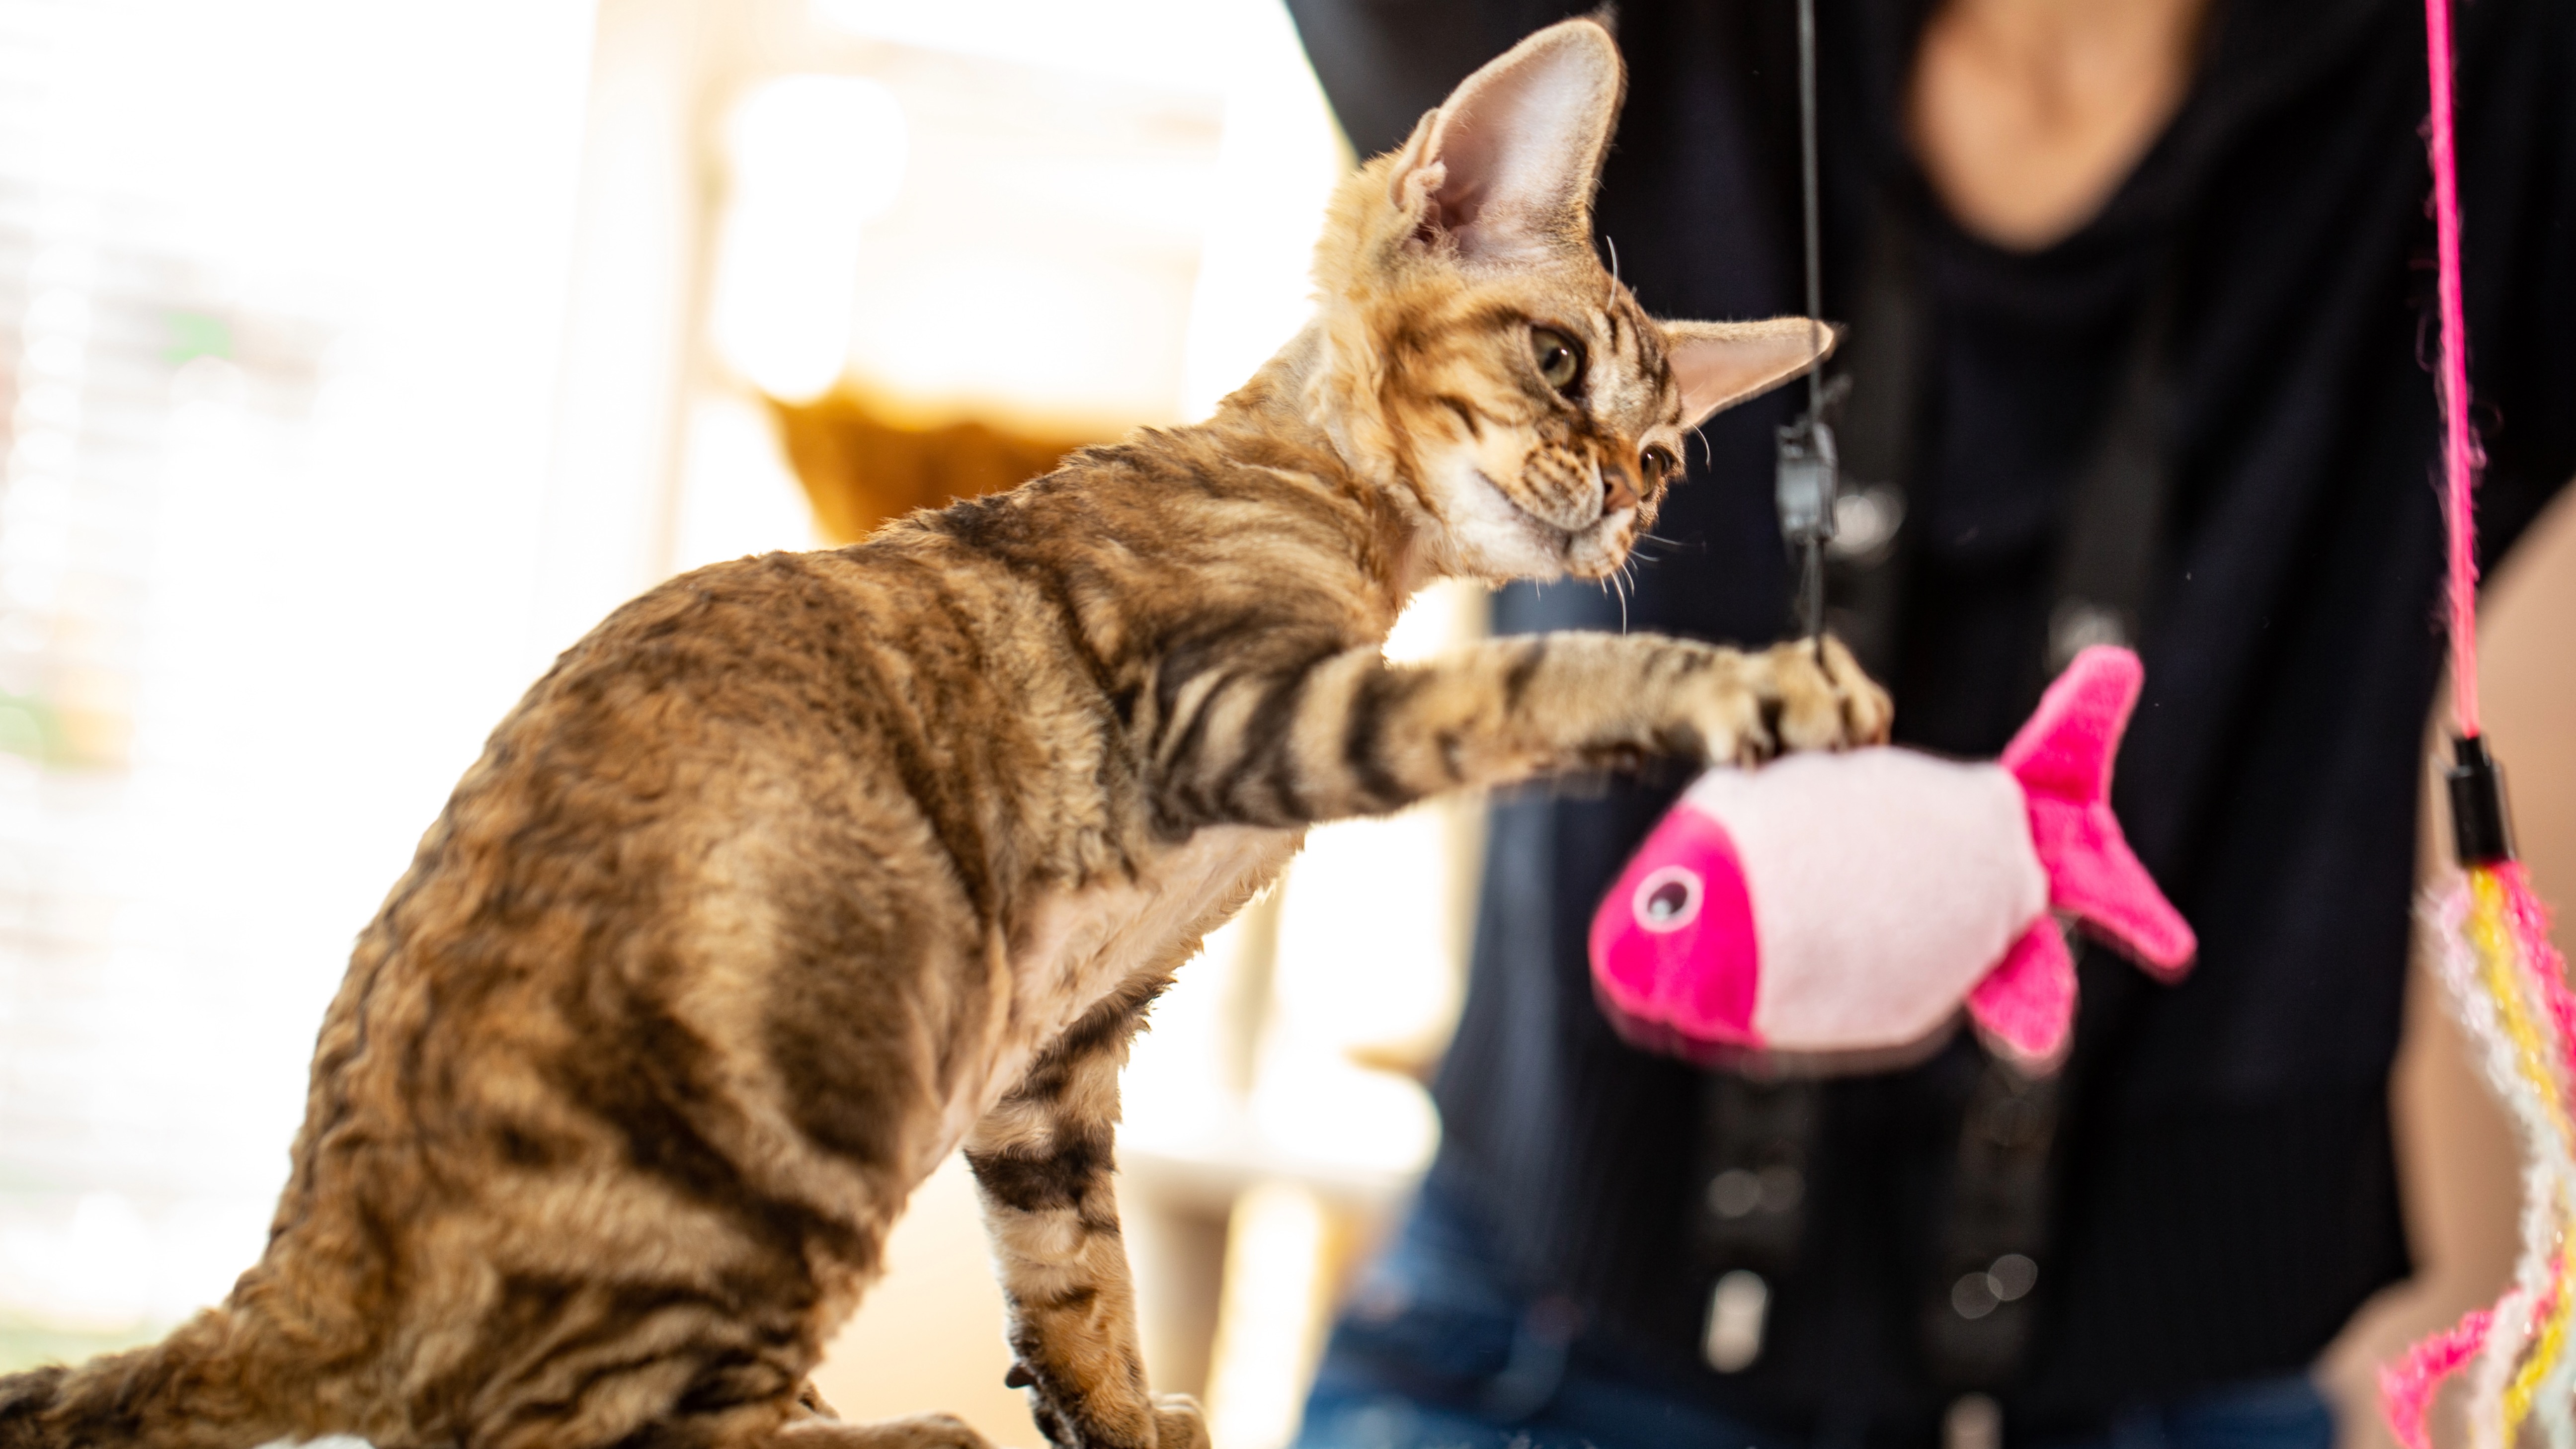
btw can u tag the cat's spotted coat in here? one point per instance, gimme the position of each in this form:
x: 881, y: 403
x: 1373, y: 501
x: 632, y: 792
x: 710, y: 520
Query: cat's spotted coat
x: 803, y: 871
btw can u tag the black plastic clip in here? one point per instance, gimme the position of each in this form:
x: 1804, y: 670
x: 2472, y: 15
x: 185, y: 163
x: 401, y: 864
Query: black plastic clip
x: 2481, y: 831
x: 1808, y: 479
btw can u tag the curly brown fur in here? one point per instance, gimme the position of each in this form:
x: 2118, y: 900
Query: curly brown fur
x: 803, y: 871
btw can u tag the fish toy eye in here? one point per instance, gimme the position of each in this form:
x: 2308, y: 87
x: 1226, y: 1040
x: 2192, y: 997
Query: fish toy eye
x: 1668, y: 899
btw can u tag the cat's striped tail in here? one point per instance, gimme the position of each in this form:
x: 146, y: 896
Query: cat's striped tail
x: 193, y: 1390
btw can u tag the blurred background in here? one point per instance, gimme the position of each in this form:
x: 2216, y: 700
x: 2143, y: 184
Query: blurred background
x: 355, y: 358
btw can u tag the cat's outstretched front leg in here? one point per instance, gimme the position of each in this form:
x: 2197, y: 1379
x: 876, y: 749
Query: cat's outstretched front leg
x: 1350, y: 734
x: 921, y: 1431
x: 1043, y: 1161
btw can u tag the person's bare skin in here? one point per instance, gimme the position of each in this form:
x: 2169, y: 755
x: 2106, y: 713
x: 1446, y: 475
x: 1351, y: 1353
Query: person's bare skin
x: 2027, y: 114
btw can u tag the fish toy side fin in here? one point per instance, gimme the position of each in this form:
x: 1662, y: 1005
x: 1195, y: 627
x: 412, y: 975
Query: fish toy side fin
x: 2062, y: 757
x: 2027, y: 1004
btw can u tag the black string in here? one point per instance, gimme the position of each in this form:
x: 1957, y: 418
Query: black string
x: 1811, y: 562
x: 1807, y: 177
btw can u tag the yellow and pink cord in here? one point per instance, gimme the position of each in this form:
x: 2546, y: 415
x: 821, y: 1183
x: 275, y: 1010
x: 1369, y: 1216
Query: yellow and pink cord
x: 2509, y: 987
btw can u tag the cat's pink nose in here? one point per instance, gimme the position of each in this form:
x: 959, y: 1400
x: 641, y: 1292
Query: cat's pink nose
x: 1618, y: 490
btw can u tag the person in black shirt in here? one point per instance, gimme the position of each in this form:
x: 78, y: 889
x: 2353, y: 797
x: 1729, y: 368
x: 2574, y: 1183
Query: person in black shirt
x: 2197, y: 264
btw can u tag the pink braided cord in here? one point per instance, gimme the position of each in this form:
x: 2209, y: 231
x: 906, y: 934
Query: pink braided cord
x: 2460, y: 453
x: 2406, y: 1387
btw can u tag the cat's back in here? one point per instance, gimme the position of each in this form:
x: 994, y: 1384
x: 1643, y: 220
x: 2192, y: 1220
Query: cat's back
x: 950, y: 709
x: 736, y: 720
x: 937, y: 720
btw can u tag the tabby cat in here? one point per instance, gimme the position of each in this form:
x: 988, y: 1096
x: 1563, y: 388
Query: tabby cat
x: 802, y: 871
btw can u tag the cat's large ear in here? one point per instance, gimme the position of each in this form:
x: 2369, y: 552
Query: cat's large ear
x: 1720, y: 364
x: 1506, y: 166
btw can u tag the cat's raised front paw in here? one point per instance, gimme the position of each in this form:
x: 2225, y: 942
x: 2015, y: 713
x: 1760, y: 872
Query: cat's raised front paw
x: 1806, y: 694
x: 920, y: 1431
x: 1822, y: 700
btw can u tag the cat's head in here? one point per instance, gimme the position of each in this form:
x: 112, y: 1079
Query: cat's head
x: 1478, y: 361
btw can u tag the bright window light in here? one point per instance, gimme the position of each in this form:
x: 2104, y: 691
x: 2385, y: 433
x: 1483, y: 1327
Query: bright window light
x: 273, y: 434
x: 811, y: 160
x: 1152, y: 42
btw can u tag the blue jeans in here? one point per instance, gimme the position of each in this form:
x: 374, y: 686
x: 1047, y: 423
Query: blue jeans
x: 1434, y: 1353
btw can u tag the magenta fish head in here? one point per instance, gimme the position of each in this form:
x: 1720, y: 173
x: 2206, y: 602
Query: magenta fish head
x: 1673, y: 945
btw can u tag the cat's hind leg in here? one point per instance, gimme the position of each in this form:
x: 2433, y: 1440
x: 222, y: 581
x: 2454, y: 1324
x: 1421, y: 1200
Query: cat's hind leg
x: 1043, y: 1162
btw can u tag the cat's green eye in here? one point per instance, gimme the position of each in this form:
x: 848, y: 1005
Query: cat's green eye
x: 1559, y: 357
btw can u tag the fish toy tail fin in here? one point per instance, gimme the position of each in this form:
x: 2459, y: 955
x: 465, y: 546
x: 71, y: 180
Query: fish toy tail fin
x: 2062, y: 758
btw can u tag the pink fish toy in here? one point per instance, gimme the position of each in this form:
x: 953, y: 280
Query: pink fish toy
x: 1838, y: 909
